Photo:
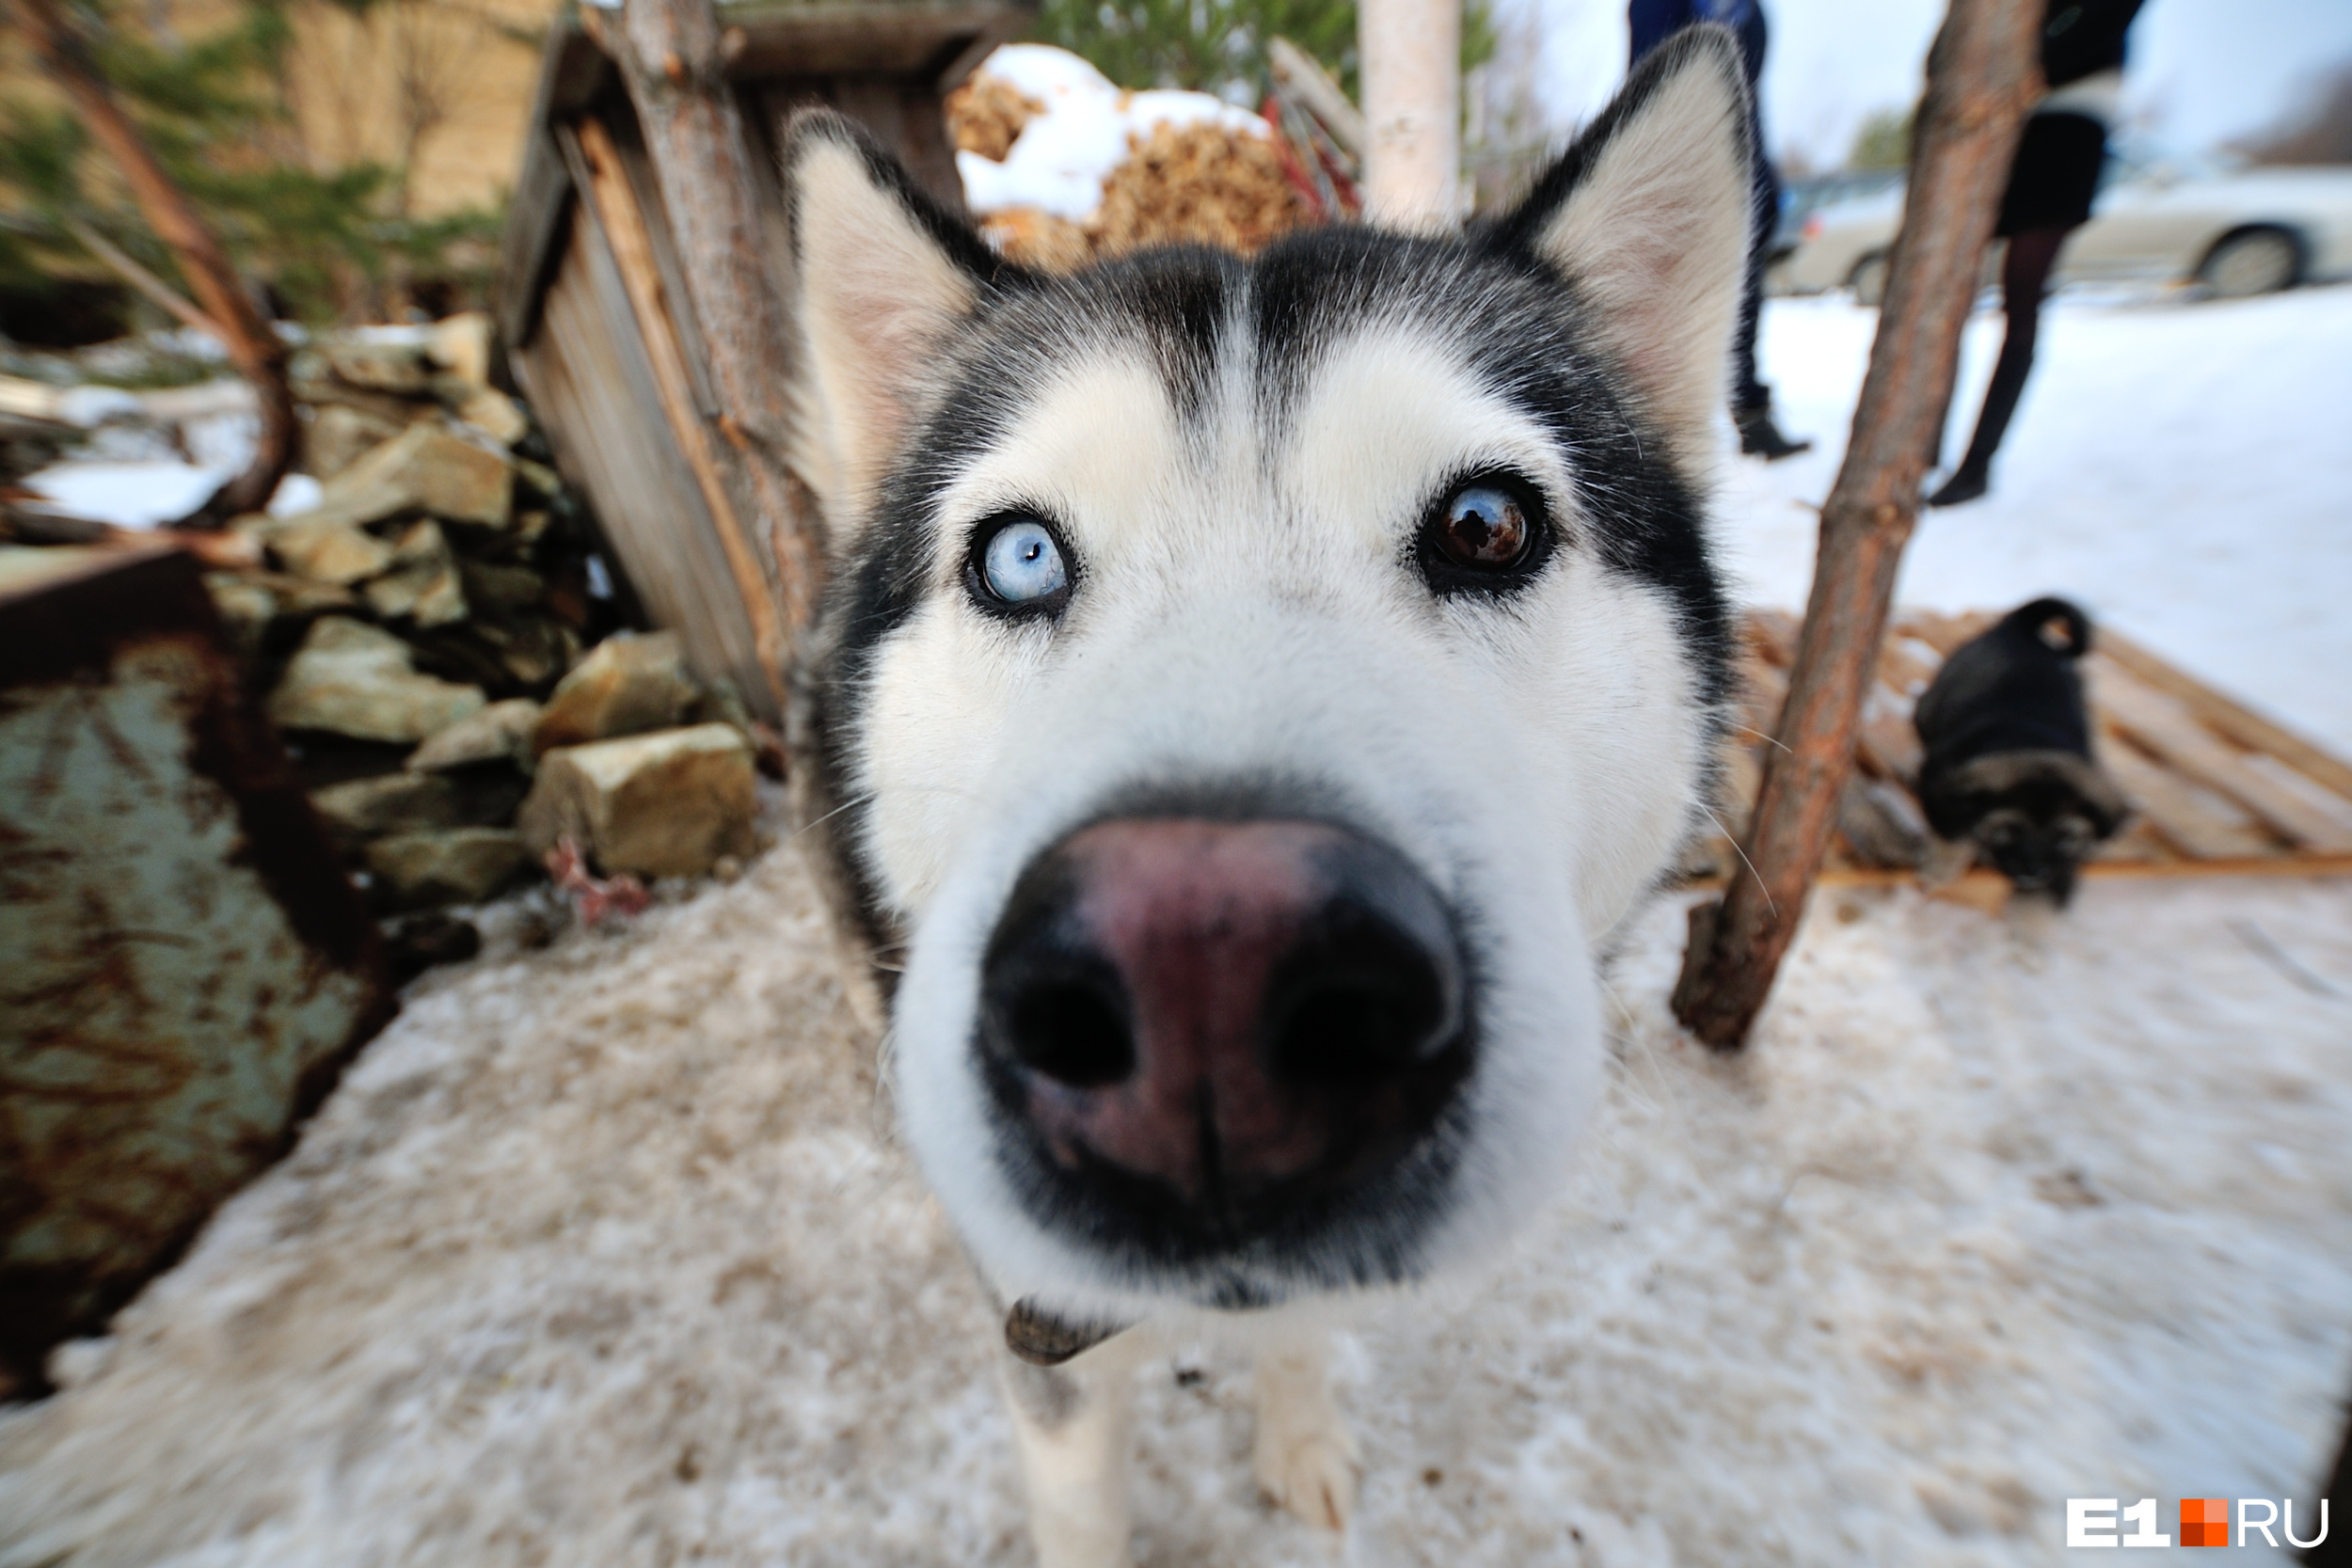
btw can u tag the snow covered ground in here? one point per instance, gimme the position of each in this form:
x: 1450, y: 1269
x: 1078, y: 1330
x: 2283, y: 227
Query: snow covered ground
x: 2183, y: 470
x: 605, y: 1254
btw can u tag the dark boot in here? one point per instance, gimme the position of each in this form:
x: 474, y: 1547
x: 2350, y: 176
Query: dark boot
x: 1968, y: 483
x: 2024, y: 272
x: 1760, y: 437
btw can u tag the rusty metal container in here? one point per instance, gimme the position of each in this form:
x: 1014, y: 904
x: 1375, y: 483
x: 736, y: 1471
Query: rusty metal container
x: 184, y: 968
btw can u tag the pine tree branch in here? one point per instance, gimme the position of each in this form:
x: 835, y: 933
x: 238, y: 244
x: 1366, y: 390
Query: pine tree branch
x: 253, y: 345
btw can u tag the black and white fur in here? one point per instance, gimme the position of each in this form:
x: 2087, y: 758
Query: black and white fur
x: 2006, y: 768
x: 1239, y: 457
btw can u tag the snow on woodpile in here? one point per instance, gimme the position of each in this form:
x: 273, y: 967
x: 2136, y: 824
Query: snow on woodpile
x: 604, y: 1253
x: 1062, y: 168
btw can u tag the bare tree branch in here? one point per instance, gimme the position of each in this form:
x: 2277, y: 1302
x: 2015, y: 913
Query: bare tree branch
x: 1982, y: 75
x: 253, y: 345
x: 146, y: 282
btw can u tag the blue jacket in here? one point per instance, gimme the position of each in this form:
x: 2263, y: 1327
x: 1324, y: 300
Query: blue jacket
x: 1654, y: 21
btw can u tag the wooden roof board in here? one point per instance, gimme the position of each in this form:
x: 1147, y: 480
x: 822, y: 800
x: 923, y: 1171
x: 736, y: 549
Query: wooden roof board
x: 931, y: 43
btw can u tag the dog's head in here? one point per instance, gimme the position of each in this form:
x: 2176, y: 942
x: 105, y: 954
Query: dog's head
x: 1251, y: 690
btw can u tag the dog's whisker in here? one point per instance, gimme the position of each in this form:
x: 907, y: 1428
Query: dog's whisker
x: 1767, y: 739
x: 1760, y: 885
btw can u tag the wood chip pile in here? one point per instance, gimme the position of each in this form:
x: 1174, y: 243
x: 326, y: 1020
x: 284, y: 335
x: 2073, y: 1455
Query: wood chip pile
x: 986, y: 113
x: 1195, y: 184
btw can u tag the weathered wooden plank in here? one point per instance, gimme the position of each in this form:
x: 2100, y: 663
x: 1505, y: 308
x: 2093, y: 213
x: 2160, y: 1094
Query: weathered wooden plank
x: 2265, y: 865
x: 2166, y: 728
x: 570, y: 69
x: 2248, y: 728
x: 586, y: 373
x: 622, y: 222
x: 2139, y: 842
x: 677, y: 302
x: 1944, y: 632
x: 2204, y: 827
x: 923, y: 40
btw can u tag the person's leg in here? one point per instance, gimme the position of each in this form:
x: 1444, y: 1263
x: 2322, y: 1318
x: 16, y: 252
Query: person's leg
x: 2024, y: 278
x: 1751, y: 400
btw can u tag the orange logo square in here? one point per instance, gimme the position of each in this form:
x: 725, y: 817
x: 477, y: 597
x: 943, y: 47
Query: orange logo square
x: 2204, y: 1521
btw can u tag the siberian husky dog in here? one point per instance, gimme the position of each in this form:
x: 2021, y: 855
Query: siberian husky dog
x: 1251, y: 692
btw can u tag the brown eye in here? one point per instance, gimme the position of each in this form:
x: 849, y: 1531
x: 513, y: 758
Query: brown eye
x: 1483, y: 528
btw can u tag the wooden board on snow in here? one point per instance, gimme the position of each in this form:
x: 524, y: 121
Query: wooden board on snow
x: 2215, y: 788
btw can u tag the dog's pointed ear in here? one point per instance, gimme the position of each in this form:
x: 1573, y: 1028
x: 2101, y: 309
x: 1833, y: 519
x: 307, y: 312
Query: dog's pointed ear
x: 1649, y: 215
x: 883, y: 275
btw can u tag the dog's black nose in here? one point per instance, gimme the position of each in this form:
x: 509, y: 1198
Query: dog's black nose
x: 1219, y: 1022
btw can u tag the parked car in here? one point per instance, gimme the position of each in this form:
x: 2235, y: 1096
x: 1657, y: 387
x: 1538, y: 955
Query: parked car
x: 2233, y: 230
x: 1801, y: 198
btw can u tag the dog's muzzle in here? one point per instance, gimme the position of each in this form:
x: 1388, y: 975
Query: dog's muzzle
x: 1206, y: 1031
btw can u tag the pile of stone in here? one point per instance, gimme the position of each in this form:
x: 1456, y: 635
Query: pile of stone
x: 647, y: 771
x: 432, y: 636
x: 425, y: 613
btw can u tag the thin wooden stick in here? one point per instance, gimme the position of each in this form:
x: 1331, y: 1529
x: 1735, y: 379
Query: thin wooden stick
x: 146, y: 282
x: 1982, y: 75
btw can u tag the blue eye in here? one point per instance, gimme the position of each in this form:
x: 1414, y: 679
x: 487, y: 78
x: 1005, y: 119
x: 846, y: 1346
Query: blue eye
x: 1020, y: 563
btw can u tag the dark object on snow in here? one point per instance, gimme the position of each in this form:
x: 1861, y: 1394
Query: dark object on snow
x: 2009, y: 765
x: 424, y: 941
x: 186, y: 968
x: 1759, y: 436
x: 2339, y: 1495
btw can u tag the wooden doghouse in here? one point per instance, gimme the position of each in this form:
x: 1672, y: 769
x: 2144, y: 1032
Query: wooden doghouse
x: 593, y: 311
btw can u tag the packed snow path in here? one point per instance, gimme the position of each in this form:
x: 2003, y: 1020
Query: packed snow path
x: 2182, y: 468
x: 604, y: 1255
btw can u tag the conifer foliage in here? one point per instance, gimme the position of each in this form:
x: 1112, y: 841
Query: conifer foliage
x: 326, y: 241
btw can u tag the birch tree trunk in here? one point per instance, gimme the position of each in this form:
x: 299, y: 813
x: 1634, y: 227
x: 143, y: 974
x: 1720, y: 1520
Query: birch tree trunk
x: 1411, y: 57
x: 1983, y: 74
x: 230, y: 311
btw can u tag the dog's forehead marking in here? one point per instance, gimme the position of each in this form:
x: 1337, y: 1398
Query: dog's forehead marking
x: 1387, y: 411
x: 1100, y: 446
x: 1121, y: 439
